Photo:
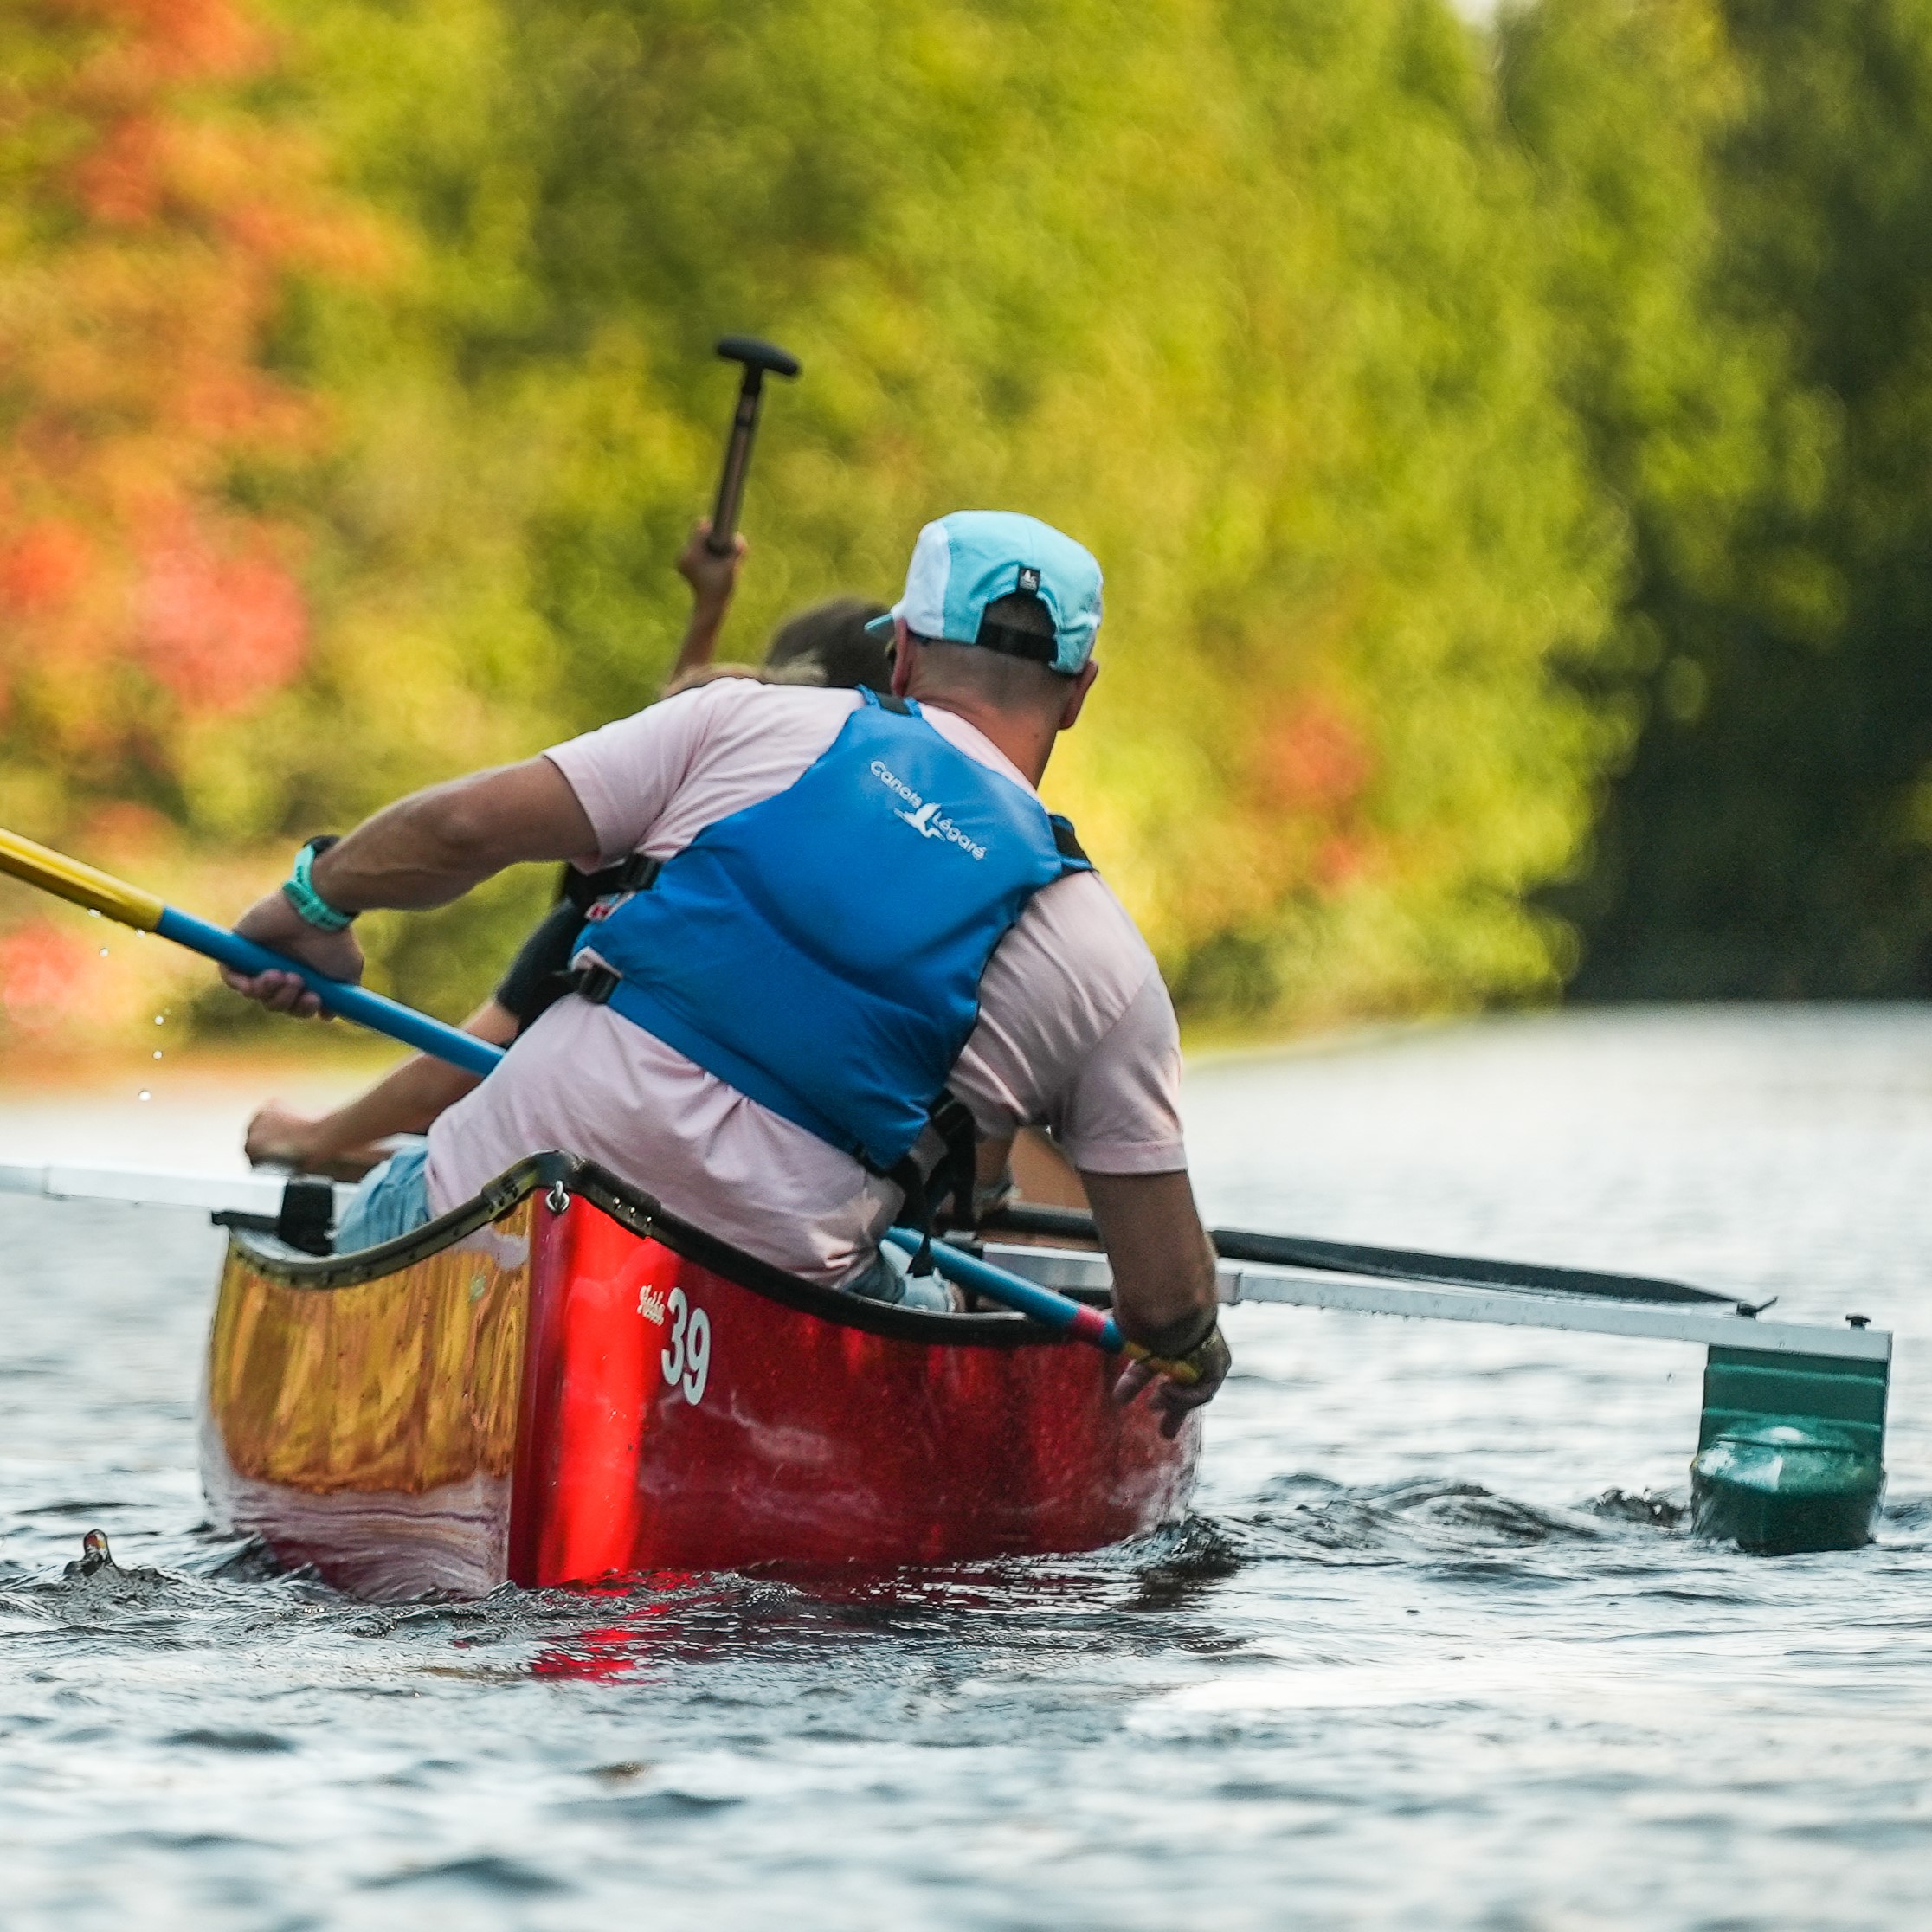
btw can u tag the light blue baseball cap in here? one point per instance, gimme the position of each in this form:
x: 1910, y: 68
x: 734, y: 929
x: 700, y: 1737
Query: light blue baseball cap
x: 974, y: 557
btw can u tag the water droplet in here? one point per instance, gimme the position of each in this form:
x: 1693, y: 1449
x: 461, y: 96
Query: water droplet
x: 144, y: 1095
x: 94, y: 911
x: 104, y: 952
x: 157, y: 1052
x: 160, y: 1018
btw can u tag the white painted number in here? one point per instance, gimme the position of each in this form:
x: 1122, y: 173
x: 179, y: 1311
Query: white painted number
x: 698, y: 1349
x: 687, y: 1356
x: 672, y: 1359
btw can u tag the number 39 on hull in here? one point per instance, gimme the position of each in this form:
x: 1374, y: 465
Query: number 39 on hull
x: 558, y: 1382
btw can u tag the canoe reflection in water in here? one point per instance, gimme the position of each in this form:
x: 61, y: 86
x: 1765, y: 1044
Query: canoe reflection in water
x: 559, y: 1382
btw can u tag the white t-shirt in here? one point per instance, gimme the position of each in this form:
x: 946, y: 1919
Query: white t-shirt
x: 1076, y: 1031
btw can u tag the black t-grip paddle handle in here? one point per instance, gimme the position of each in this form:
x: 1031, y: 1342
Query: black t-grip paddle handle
x: 757, y: 357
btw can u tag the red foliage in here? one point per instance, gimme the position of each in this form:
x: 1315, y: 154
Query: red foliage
x: 123, y: 832
x: 1338, y: 860
x: 42, y: 975
x: 216, y: 628
x: 121, y: 181
x: 1311, y: 767
x: 1314, y: 761
x: 42, y: 566
x: 159, y: 220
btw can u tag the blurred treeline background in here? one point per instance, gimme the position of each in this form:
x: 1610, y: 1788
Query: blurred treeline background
x: 1508, y: 445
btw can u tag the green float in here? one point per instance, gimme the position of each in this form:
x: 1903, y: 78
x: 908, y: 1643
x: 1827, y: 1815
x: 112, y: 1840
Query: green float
x: 1791, y: 1451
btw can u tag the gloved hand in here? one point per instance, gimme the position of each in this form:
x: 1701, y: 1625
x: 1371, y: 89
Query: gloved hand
x: 1185, y: 1371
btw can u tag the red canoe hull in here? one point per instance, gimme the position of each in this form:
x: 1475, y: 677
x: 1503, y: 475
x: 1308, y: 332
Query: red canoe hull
x: 548, y: 1398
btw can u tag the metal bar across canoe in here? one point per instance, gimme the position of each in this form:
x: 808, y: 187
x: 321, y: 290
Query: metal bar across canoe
x: 1074, y: 1268
x: 234, y: 1193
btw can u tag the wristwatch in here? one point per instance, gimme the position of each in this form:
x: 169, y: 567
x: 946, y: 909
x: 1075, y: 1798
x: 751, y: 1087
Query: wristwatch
x: 300, y: 890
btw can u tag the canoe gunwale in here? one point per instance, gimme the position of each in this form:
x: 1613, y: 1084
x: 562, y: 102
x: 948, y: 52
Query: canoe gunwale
x: 632, y: 1208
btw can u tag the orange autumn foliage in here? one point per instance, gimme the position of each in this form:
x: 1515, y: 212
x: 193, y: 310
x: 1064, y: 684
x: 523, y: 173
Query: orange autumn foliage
x: 153, y: 221
x: 1312, y: 760
x: 42, y: 976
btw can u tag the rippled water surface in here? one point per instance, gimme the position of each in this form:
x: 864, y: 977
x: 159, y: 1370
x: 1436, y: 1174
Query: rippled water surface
x: 1402, y: 1668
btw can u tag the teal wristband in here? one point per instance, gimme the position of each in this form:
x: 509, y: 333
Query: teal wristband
x: 301, y: 892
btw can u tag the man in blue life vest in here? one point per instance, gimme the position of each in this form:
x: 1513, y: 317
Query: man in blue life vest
x: 856, y: 929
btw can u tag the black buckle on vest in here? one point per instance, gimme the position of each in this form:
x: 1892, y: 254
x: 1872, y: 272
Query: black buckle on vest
x: 635, y: 874
x: 595, y: 982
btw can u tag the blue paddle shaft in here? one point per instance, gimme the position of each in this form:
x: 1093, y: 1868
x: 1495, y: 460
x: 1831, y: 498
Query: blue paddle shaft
x: 351, y: 1003
x: 1046, y: 1307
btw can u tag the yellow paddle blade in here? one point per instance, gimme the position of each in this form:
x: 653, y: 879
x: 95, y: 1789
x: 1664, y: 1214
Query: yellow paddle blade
x: 68, y: 879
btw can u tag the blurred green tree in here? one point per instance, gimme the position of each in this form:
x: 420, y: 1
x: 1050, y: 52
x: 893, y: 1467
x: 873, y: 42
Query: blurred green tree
x: 1751, y: 287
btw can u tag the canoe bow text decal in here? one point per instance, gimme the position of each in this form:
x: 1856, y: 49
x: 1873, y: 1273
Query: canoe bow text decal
x: 685, y: 1358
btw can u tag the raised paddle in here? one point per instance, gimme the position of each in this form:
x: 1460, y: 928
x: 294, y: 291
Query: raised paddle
x: 99, y: 892
x: 758, y: 359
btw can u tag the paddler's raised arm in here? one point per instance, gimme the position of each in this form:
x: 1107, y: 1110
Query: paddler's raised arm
x: 424, y: 850
x: 712, y: 579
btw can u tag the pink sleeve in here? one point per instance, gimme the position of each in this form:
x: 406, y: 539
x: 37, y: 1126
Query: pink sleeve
x: 1122, y: 1114
x: 624, y: 773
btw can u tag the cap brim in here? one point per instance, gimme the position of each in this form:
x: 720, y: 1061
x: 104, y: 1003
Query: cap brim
x: 883, y: 627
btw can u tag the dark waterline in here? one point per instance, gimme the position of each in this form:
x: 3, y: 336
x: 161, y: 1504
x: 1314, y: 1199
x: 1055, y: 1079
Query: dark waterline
x: 1402, y: 1668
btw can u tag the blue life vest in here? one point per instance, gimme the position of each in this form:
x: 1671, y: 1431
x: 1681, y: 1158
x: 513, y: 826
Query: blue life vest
x: 821, y: 950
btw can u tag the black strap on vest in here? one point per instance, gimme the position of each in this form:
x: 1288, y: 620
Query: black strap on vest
x: 944, y: 1198
x: 595, y: 982
x: 583, y: 890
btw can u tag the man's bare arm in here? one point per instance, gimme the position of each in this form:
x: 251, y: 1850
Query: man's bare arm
x: 434, y: 846
x: 1164, y: 1263
x: 1164, y: 1291
x: 425, y: 850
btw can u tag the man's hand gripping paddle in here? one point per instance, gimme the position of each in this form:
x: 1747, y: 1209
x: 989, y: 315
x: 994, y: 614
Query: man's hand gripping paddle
x: 758, y: 359
x: 1065, y: 1316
